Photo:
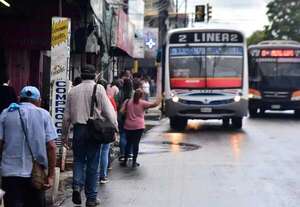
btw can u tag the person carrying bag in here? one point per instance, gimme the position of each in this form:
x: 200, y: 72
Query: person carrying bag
x: 86, y: 104
x: 28, y: 149
x: 38, y: 173
x: 101, y: 131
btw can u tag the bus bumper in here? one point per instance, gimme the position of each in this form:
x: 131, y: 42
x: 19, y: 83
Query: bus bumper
x: 274, y: 104
x: 190, y: 111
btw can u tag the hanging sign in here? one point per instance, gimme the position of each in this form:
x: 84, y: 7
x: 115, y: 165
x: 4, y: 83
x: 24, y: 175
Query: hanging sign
x: 60, y: 55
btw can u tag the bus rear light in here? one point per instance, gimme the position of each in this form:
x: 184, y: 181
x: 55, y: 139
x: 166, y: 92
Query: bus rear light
x: 296, y: 96
x: 254, y: 94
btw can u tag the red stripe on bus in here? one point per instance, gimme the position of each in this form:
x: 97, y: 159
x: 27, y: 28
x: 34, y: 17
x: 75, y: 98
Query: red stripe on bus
x: 187, y: 83
x: 224, y: 82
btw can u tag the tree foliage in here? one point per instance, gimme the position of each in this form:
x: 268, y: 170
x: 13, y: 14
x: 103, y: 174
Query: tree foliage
x: 284, y: 17
x: 257, y: 37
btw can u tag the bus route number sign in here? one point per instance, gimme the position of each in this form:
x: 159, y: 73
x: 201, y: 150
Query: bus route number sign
x: 206, y: 37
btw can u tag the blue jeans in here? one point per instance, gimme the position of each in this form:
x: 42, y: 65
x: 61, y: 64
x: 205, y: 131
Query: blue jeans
x: 104, y: 158
x: 86, y: 161
x: 123, y: 142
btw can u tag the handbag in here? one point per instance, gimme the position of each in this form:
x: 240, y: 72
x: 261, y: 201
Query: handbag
x: 38, y: 174
x: 100, y: 131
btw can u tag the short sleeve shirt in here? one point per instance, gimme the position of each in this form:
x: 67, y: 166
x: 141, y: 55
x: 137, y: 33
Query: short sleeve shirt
x: 16, y: 157
x: 135, y: 114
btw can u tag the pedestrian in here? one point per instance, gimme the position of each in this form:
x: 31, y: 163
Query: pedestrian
x: 7, y: 94
x: 86, y: 152
x: 76, y: 81
x: 125, y: 94
x: 26, y: 133
x: 136, y: 81
x: 112, y: 89
x: 152, y: 87
x: 105, y: 148
x: 146, y: 87
x: 126, y: 74
x: 135, y: 123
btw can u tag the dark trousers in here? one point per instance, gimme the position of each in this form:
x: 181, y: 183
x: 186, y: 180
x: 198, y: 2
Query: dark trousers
x: 20, y: 193
x: 133, y: 140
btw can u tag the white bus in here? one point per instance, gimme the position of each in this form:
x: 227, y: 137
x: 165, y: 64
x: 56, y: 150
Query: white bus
x: 205, y: 76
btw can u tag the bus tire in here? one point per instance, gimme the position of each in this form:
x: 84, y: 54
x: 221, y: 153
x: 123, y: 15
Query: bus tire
x: 237, y: 122
x: 178, y: 123
x: 297, y: 113
x: 226, y: 122
x: 262, y: 112
x: 253, y: 112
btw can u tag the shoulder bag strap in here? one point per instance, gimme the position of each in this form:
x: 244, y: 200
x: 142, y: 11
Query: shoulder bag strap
x: 93, y: 101
x: 26, y: 137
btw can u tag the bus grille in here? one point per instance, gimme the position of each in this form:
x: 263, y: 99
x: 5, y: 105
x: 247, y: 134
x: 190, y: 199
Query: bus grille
x: 219, y: 102
x: 191, y: 102
x: 276, y: 94
x: 216, y: 102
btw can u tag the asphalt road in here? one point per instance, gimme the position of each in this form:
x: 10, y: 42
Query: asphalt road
x: 209, y: 166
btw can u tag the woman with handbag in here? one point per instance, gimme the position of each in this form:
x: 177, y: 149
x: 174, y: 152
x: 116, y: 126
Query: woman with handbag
x: 135, y: 123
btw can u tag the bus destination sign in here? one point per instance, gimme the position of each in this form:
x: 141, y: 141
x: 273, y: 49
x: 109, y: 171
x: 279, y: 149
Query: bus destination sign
x: 206, y: 37
x: 278, y: 53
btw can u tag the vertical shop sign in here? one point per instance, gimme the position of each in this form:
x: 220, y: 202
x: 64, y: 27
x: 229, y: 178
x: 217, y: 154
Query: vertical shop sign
x: 60, y: 55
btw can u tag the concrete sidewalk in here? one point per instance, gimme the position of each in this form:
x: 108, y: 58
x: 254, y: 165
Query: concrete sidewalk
x: 152, y: 119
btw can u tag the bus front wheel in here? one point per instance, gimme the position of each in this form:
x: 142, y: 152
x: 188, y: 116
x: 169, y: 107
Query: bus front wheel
x: 297, y: 113
x: 226, y: 122
x: 253, y: 112
x: 178, y: 123
x: 237, y: 122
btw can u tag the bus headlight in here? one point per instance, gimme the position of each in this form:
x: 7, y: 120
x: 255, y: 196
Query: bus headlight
x: 175, y: 99
x: 295, y: 96
x: 237, y: 98
x: 254, y: 94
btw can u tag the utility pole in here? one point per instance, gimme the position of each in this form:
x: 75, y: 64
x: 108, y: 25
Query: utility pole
x: 163, y: 16
x: 176, y: 25
x: 186, y: 15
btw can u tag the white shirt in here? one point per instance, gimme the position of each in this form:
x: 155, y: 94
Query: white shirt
x: 146, y: 87
x: 78, y: 105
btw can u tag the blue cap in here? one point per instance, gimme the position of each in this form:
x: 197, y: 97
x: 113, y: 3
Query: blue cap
x: 30, y: 92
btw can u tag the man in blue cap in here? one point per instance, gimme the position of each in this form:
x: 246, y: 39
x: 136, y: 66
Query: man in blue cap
x: 26, y: 133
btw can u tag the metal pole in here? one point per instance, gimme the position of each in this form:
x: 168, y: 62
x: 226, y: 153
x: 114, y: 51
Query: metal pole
x: 176, y: 24
x: 60, y: 8
x: 163, y: 15
x: 186, y: 15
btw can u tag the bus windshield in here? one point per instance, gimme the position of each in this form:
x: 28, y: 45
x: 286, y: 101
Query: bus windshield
x: 206, y: 67
x: 277, y: 73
